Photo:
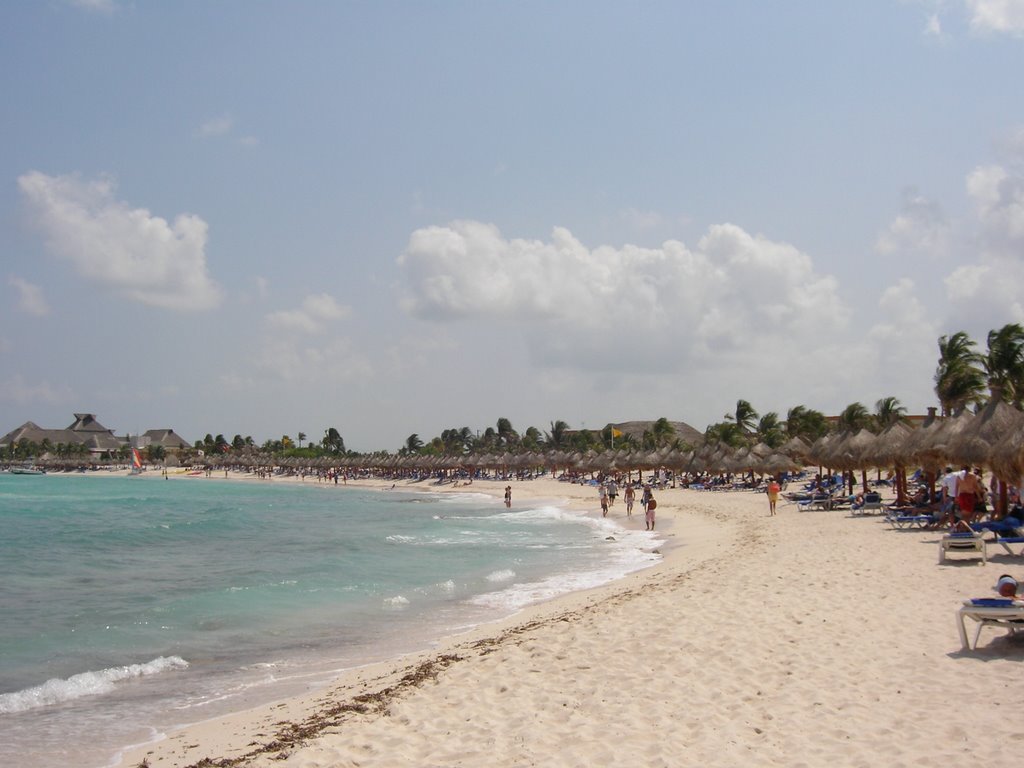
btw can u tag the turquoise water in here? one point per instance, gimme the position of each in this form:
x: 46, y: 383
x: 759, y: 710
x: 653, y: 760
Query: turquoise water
x: 132, y: 605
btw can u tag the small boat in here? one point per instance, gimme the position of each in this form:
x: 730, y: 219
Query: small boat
x: 26, y: 471
x: 136, y: 462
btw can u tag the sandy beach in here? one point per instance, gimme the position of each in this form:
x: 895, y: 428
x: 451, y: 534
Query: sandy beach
x: 805, y: 639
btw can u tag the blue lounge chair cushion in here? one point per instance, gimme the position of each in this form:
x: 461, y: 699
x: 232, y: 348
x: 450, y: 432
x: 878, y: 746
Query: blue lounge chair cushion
x: 992, y: 602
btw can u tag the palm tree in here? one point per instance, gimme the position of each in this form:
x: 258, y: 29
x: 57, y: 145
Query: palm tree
x: 805, y: 423
x: 506, y: 434
x: 854, y: 417
x: 302, y: 436
x: 724, y: 432
x: 959, y: 379
x: 332, y: 441
x: 769, y: 430
x: 888, y: 411
x: 1004, y: 363
x: 532, y: 438
x: 662, y: 431
x: 556, y: 437
x: 489, y: 438
x: 413, y: 443
x: 583, y: 440
x: 745, y: 416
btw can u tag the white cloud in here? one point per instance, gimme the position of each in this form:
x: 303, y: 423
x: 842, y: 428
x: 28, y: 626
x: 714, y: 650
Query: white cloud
x: 137, y: 254
x: 98, y: 6
x: 312, y: 317
x: 1004, y: 16
x: 921, y: 227
x: 30, y: 297
x: 218, y: 126
x: 985, y: 288
x: 17, y: 390
x: 314, y: 364
x: 998, y: 195
x: 933, y: 26
x: 224, y: 126
x: 641, y: 220
x: 735, y: 293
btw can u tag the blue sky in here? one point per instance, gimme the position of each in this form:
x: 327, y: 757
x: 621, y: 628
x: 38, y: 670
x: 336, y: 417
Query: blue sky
x: 267, y: 218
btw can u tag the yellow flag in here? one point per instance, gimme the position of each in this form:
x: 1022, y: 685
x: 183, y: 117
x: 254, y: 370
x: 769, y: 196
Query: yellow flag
x: 616, y: 432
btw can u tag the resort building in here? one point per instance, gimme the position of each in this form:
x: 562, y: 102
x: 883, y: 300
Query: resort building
x: 87, y: 431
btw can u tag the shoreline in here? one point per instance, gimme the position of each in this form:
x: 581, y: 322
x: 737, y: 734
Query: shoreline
x: 798, y: 640
x: 306, y: 712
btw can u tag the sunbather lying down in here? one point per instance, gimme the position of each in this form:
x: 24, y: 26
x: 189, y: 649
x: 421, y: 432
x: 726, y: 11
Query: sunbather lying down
x: 1006, y: 586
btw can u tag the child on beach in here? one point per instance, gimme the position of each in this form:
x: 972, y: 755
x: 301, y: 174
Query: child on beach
x: 604, y: 500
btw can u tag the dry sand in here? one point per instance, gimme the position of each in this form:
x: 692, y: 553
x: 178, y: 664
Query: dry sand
x: 805, y: 639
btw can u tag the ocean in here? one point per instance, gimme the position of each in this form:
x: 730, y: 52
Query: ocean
x: 132, y: 605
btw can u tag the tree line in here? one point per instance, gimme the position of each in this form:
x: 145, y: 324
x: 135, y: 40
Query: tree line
x: 965, y: 377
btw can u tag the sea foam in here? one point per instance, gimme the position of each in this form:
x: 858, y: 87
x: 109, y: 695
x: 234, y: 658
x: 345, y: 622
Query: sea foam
x: 57, y: 691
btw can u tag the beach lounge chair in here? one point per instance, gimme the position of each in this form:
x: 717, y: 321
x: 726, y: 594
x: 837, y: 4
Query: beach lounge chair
x: 990, y: 612
x: 817, y: 501
x: 1005, y: 532
x: 871, y: 504
x: 1006, y: 541
x: 904, y: 517
x: 961, y: 543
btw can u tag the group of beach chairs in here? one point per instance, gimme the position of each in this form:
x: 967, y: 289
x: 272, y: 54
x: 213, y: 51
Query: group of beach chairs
x: 962, y: 538
x: 972, y: 539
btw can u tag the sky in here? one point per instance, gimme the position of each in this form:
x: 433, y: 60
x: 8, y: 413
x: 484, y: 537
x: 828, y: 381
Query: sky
x: 402, y: 217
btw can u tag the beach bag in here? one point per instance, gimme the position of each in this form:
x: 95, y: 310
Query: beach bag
x: 652, y: 504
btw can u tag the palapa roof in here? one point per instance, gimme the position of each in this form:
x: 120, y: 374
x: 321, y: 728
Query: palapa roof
x: 86, y: 430
x: 887, y: 448
x: 86, y: 422
x: 167, y: 438
x: 33, y: 433
x: 976, y: 442
x: 683, y: 431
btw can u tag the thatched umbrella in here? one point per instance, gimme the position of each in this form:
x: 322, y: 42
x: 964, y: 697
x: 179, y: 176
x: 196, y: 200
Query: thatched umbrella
x: 976, y: 443
x: 851, y: 453
x: 796, y: 447
x: 819, y: 449
x: 777, y: 463
x: 887, y: 451
x: 1008, y: 457
x: 933, y: 449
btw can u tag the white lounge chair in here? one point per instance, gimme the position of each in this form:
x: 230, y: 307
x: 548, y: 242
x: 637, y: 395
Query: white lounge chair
x: 961, y: 543
x: 990, y: 613
x: 871, y: 505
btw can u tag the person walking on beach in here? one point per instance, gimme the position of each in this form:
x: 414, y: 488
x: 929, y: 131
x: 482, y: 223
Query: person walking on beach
x: 604, y: 500
x: 613, y: 491
x: 950, y: 485
x: 773, y: 495
x: 968, y: 492
x: 508, y: 496
x: 629, y: 495
x: 650, y: 506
